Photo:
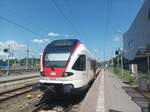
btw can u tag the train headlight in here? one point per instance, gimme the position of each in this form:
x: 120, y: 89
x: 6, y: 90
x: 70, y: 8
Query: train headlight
x: 66, y: 74
x: 42, y: 73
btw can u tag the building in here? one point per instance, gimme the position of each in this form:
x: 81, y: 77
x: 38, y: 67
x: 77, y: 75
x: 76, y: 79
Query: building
x: 138, y: 35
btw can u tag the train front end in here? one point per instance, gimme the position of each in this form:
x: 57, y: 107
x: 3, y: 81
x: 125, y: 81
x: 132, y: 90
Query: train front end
x: 54, y: 62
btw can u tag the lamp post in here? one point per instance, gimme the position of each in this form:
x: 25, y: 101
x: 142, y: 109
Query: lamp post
x: 147, y: 52
x: 121, y: 51
x: 27, y: 58
x: 117, y: 55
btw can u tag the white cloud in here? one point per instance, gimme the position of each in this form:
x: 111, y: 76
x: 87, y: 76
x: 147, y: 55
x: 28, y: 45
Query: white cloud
x: 40, y: 41
x: 11, y: 44
x: 53, y: 34
x: 117, y: 39
x: 3, y: 54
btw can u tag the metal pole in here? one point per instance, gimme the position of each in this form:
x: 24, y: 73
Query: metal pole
x: 32, y: 61
x: 122, y: 61
x: 148, y: 64
x: 118, y: 61
x: 27, y: 58
x: 122, y: 53
x: 121, y: 50
x: 148, y: 68
x: 113, y: 63
x: 148, y: 72
x: 8, y: 67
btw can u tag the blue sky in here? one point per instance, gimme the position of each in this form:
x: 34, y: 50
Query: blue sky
x: 89, y: 19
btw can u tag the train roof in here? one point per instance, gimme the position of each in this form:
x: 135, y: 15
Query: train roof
x: 64, y: 42
x: 69, y: 42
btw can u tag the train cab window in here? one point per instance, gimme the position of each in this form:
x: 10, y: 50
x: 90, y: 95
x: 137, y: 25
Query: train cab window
x: 80, y: 63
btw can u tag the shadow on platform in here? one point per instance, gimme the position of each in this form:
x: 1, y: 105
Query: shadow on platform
x: 142, y: 99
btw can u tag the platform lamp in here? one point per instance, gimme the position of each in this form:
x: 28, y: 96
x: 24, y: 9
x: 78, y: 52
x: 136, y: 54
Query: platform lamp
x: 120, y: 33
x: 119, y: 52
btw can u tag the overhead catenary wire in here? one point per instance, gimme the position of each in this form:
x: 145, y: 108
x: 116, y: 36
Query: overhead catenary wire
x: 23, y: 18
x: 65, y: 17
x: 107, y: 26
x: 19, y: 25
x: 10, y: 21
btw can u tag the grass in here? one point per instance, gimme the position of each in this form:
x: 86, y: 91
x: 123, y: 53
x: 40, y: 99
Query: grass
x: 126, y: 76
x: 1, y: 74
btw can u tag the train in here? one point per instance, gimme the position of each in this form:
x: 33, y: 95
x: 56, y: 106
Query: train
x: 67, y: 66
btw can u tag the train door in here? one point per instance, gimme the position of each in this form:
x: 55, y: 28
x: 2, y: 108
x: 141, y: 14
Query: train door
x: 89, y: 71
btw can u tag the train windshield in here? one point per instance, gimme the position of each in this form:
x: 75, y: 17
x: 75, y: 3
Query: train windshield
x: 57, y: 56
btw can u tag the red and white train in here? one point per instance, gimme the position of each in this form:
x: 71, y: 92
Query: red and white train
x: 67, y: 66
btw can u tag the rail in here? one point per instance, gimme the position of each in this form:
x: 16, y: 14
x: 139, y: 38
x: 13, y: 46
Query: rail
x: 65, y: 106
x: 14, y: 93
x: 10, y: 85
x: 18, y: 79
x: 18, y: 70
x: 55, y: 106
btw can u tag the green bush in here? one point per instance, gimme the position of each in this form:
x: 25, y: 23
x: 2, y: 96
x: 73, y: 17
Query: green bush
x: 126, y: 75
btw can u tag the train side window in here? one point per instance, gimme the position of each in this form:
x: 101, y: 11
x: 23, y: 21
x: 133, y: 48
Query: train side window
x: 80, y: 63
x: 149, y: 14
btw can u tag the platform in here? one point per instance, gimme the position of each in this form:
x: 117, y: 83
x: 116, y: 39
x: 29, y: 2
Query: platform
x: 107, y: 95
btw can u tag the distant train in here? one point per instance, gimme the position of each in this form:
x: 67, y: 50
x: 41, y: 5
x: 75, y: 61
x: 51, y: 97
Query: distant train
x: 67, y: 66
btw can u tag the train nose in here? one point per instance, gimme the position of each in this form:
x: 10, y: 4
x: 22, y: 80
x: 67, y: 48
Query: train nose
x: 53, y: 72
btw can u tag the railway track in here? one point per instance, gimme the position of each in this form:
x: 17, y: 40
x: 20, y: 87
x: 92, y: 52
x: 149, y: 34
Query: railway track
x: 18, y: 79
x: 53, y: 107
x: 71, y: 104
x: 46, y: 106
x: 17, y: 83
x: 10, y: 90
x: 19, y: 70
x: 52, y: 104
x: 15, y: 92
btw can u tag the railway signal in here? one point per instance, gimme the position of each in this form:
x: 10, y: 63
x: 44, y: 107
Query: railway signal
x: 7, y: 50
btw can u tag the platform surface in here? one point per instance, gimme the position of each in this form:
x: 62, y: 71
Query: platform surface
x: 116, y: 99
x: 107, y: 95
